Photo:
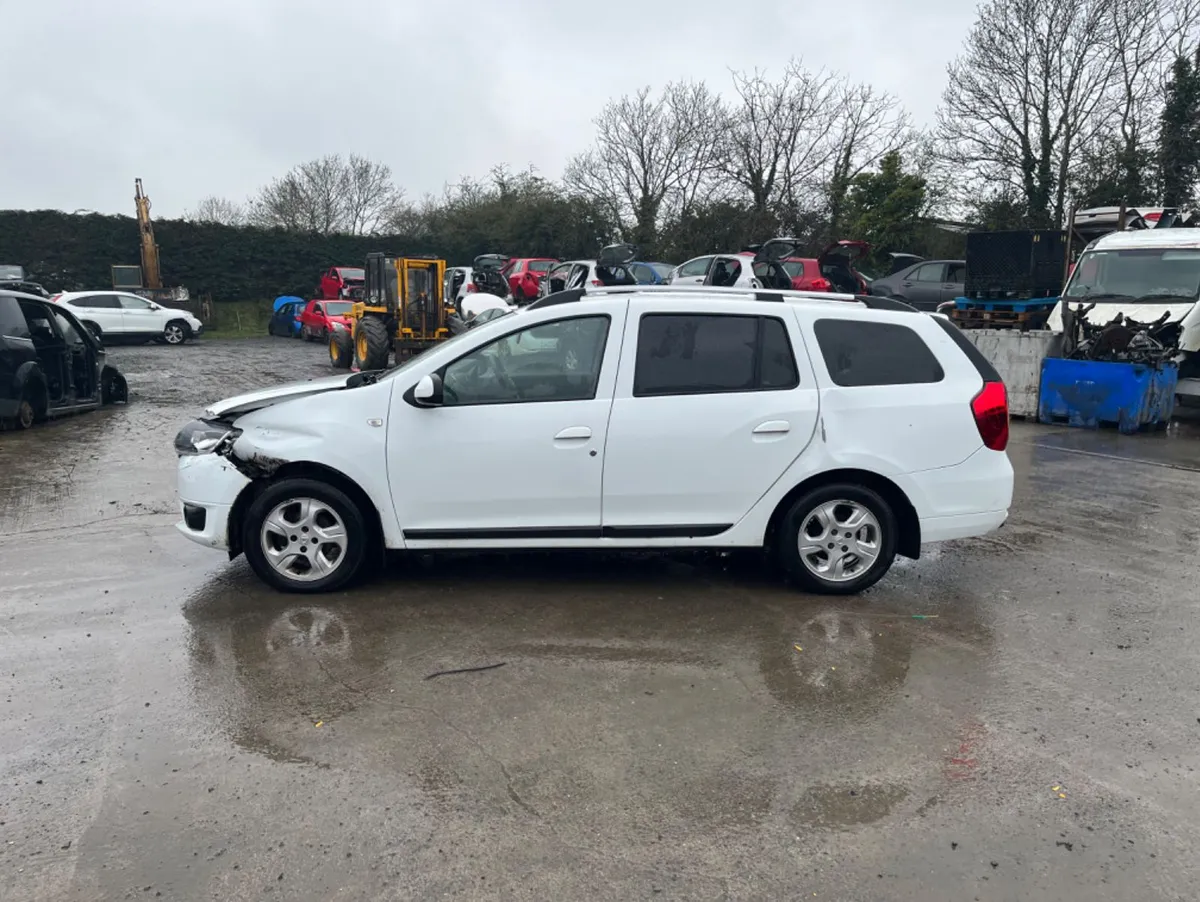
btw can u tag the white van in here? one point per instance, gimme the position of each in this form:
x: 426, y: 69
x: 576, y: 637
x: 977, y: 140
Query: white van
x: 1143, y: 274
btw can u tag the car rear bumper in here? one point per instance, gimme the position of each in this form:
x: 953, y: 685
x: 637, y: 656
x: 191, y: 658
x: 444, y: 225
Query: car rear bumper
x: 956, y: 502
x: 964, y: 526
x: 208, y: 488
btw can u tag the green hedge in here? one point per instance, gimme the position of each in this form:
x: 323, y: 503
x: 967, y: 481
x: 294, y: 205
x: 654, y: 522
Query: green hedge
x: 67, y: 252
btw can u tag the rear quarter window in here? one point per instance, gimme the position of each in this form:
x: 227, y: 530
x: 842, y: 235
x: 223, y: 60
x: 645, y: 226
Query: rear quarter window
x: 859, y: 353
x: 12, y: 320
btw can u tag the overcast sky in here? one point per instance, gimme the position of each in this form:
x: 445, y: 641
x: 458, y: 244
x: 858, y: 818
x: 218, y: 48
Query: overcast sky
x: 202, y: 97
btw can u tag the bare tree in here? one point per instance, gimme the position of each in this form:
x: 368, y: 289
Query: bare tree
x: 328, y: 195
x: 370, y: 195
x: 650, y: 153
x: 867, y: 126
x: 218, y: 210
x: 1026, y: 95
x: 776, y: 142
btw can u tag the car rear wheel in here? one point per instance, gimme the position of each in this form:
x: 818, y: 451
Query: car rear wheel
x: 305, y: 333
x: 837, y: 539
x: 301, y: 535
x: 176, y: 332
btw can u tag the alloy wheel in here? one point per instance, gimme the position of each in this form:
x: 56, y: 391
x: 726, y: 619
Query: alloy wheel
x: 840, y: 540
x: 304, y: 539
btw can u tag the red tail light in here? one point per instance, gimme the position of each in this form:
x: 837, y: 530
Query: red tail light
x: 821, y: 285
x: 990, y: 408
x: 597, y: 283
x: 471, y: 286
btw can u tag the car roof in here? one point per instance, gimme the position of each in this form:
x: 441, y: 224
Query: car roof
x: 1147, y: 238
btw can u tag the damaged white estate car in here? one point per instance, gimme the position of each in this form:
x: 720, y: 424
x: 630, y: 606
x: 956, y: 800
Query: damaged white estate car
x: 835, y: 432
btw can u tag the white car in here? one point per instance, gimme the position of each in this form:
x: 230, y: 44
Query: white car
x: 717, y: 270
x: 834, y: 432
x: 128, y: 317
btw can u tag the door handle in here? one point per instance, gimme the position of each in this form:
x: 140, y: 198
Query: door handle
x: 574, y: 432
x: 773, y: 426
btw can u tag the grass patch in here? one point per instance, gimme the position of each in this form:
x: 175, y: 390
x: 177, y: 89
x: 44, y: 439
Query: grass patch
x: 239, y: 319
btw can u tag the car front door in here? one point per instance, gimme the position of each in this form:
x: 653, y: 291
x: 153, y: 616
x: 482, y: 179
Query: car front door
x: 515, y: 451
x: 710, y: 409
x: 139, y: 316
x: 955, y: 284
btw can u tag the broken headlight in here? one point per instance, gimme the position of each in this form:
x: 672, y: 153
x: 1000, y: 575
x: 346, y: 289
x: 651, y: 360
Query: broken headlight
x: 202, y: 437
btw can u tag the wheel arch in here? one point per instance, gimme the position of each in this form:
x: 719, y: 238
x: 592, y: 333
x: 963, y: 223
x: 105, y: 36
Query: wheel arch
x: 304, y: 470
x: 908, y: 542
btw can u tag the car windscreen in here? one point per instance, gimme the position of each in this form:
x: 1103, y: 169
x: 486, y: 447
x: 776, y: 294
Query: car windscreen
x: 354, y: 275
x: 1137, y: 275
x: 541, y: 265
x: 337, y: 308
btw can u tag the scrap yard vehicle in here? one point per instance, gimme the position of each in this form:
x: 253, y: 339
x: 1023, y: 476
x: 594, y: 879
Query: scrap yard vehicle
x: 487, y: 275
x: 50, y: 365
x: 340, y: 282
x: 403, y: 311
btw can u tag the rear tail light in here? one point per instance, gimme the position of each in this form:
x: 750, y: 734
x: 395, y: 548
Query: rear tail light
x: 597, y: 283
x: 990, y: 408
x: 472, y: 287
x: 821, y: 285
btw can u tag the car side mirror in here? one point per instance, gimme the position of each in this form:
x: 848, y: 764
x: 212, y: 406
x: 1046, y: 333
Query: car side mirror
x: 428, y: 392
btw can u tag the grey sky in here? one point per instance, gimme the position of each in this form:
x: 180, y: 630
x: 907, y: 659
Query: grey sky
x: 202, y: 97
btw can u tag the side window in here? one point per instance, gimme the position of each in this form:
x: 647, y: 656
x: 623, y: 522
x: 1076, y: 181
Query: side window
x: 129, y: 302
x: 930, y: 272
x: 103, y: 301
x: 12, y: 320
x: 859, y: 353
x: 557, y: 361
x: 317, y: 309
x: 957, y: 272
x: 687, y: 354
x: 697, y: 267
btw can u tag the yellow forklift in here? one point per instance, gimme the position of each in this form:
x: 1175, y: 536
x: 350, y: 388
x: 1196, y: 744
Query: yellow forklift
x: 401, y: 310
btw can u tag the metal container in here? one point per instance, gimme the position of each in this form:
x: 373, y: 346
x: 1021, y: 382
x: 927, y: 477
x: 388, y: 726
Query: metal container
x: 1089, y: 393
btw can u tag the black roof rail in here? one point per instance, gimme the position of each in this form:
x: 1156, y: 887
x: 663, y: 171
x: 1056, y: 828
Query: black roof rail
x: 877, y: 303
x: 768, y: 296
x: 570, y: 296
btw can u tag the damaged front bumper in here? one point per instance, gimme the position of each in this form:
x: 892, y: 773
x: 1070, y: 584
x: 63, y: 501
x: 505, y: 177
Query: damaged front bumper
x: 208, y: 487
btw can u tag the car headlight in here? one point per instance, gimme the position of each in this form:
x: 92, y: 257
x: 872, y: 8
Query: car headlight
x: 202, y: 437
x: 339, y: 327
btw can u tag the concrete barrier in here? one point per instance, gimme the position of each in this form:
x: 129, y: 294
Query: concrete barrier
x: 1017, y: 357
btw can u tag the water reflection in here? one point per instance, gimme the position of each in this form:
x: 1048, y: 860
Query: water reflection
x: 681, y: 684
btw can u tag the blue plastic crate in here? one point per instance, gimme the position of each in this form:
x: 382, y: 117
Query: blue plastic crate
x: 1087, y: 393
x: 1012, y: 304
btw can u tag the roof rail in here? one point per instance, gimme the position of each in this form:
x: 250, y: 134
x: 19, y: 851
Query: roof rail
x: 572, y: 295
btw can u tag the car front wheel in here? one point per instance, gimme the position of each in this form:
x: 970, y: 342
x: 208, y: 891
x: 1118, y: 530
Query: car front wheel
x: 176, y: 332
x: 301, y: 535
x: 837, y: 539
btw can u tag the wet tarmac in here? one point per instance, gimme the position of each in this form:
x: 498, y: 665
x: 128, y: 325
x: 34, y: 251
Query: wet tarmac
x: 1010, y: 718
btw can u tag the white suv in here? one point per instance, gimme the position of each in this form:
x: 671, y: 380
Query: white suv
x: 120, y: 315
x: 835, y: 432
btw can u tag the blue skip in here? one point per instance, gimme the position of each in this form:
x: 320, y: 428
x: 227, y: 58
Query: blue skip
x: 1088, y: 393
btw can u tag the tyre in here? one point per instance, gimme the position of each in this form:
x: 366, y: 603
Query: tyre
x: 301, y: 535
x: 113, y: 387
x: 176, y: 332
x: 371, y: 344
x: 305, y: 334
x: 33, y: 406
x: 837, y: 539
x: 324, y: 334
x: 341, y: 350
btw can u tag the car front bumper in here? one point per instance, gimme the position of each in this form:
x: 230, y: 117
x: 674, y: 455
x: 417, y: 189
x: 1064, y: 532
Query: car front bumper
x: 208, y: 487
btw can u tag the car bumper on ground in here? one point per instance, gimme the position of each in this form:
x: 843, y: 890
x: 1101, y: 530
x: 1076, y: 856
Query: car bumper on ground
x: 208, y: 487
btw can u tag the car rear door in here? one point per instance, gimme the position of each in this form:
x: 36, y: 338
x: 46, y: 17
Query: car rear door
x: 711, y: 407
x: 955, y: 284
x: 923, y: 287
x: 102, y: 309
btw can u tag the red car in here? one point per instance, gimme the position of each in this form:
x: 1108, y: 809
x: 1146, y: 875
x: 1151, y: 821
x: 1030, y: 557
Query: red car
x: 525, y: 274
x: 339, y: 281
x: 321, y: 317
